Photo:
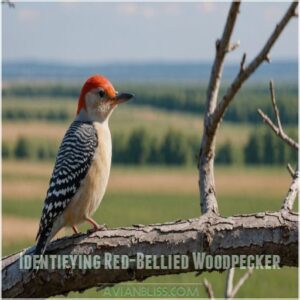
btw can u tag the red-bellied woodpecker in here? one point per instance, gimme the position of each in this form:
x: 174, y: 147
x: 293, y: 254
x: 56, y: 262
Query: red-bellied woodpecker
x: 82, y: 166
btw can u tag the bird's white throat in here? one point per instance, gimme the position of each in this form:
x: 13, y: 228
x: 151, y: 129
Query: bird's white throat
x: 97, y: 115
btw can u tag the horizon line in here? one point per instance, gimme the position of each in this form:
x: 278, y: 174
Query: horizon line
x: 131, y: 62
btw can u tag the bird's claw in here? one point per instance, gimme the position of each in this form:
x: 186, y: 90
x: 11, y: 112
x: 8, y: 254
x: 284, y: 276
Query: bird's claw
x: 98, y: 228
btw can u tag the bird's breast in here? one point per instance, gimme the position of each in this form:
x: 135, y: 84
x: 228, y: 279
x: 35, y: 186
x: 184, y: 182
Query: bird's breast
x: 103, y: 152
x: 93, y: 186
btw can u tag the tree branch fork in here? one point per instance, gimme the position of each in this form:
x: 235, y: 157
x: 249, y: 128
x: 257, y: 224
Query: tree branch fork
x: 215, y: 110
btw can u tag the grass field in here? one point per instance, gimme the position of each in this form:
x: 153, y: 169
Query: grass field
x: 150, y: 195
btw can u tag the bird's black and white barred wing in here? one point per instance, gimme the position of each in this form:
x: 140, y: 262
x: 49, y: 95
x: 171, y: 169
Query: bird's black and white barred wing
x: 73, y: 160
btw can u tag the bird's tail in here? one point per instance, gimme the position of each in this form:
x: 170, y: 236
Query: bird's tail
x: 44, y: 238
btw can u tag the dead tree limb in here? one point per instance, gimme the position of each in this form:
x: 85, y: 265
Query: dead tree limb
x: 291, y: 170
x: 230, y: 289
x: 277, y: 128
x: 208, y: 199
x: 293, y: 191
x: 9, y: 3
x: 252, y: 67
x: 229, y: 283
x: 278, y: 132
x: 273, y: 233
x: 215, y: 112
x: 241, y: 281
x: 294, y: 188
x: 209, y: 289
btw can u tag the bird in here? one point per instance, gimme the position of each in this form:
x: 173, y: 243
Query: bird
x: 82, y: 166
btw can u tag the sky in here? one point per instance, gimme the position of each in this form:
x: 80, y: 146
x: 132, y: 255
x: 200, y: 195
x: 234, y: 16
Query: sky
x: 80, y: 33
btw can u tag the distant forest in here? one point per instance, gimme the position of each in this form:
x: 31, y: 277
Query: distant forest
x: 141, y: 147
x: 182, y: 98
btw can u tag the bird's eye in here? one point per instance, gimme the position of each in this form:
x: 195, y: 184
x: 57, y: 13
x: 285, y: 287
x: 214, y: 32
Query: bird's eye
x: 101, y: 93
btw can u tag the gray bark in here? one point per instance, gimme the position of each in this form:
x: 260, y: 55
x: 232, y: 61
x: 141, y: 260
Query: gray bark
x: 261, y: 233
x: 208, y: 199
x: 215, y: 111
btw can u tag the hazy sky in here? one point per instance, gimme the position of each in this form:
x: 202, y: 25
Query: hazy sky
x: 114, y: 32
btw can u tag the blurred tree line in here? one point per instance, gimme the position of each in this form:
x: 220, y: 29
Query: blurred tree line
x: 174, y: 148
x: 183, y: 98
x: 14, y: 114
x: 264, y: 147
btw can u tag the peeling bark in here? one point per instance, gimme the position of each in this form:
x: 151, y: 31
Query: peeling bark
x: 261, y: 233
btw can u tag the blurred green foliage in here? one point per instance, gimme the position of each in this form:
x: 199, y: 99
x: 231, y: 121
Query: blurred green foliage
x: 141, y: 147
x: 187, y: 98
x: 264, y: 147
x: 23, y: 148
x: 49, y: 115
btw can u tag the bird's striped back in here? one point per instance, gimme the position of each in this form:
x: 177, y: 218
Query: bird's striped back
x: 74, y: 158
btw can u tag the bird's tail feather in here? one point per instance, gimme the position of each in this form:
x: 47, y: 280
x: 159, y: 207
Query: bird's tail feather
x: 44, y: 238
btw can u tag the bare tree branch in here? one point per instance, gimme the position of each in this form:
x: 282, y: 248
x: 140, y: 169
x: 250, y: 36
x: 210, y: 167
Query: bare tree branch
x: 208, y: 199
x: 231, y: 291
x: 222, y: 47
x: 208, y: 288
x: 229, y: 283
x: 275, y: 108
x: 9, y: 3
x: 294, y: 188
x: 277, y: 129
x: 279, y: 133
x: 241, y: 282
x: 242, y: 64
x: 291, y: 170
x: 255, y: 63
x: 275, y: 233
x: 214, y: 113
x: 293, y: 191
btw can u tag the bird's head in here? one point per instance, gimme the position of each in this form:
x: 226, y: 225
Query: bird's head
x: 98, y: 98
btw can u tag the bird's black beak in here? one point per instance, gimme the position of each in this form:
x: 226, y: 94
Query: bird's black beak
x: 123, y: 97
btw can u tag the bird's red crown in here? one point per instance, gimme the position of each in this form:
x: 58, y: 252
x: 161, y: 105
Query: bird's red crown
x: 93, y: 82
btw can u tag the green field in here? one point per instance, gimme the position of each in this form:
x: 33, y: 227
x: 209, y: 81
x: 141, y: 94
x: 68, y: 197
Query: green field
x: 143, y: 194
x: 153, y: 202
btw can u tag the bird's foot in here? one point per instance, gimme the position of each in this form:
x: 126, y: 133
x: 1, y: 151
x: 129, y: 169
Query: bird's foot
x: 97, y: 228
x: 75, y: 229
